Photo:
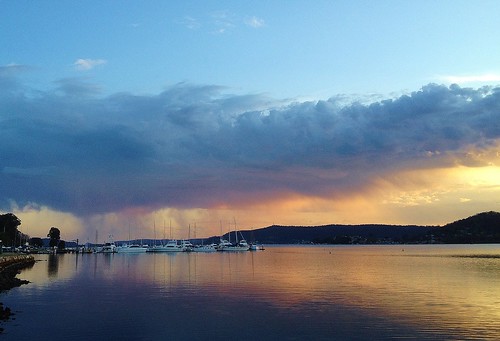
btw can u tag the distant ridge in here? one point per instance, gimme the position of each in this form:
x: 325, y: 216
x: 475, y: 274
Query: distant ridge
x: 480, y: 228
x: 339, y: 234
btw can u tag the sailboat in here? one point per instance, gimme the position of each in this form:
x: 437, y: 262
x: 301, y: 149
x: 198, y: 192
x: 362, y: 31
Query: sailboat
x: 172, y: 245
x: 239, y: 245
x: 131, y: 248
x: 256, y: 247
x: 108, y: 247
x: 203, y: 248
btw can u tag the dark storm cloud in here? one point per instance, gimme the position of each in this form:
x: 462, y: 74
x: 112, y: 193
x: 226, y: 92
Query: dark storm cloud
x: 197, y: 146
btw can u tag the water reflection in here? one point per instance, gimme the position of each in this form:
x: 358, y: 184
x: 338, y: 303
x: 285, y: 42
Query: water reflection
x: 53, y: 265
x: 307, y: 292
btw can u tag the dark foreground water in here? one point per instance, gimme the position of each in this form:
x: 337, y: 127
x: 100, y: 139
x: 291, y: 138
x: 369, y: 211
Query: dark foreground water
x: 282, y: 293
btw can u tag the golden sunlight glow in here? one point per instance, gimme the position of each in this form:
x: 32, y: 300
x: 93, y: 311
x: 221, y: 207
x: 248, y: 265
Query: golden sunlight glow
x: 441, y: 195
x: 483, y: 177
x: 37, y: 221
x: 423, y: 197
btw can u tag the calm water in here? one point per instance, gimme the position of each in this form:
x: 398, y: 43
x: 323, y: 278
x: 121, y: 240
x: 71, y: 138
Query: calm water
x: 282, y: 293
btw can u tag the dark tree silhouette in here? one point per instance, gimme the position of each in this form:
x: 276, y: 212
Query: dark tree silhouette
x: 54, y: 235
x: 35, y: 241
x: 8, y: 227
x: 62, y: 245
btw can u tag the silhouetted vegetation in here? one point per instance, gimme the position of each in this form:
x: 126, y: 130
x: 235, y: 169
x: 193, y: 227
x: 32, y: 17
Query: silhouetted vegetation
x: 54, y: 235
x: 8, y: 229
x: 481, y: 228
x: 340, y: 234
x: 36, y: 242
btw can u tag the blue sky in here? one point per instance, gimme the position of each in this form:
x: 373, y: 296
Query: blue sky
x: 117, y: 113
x: 282, y: 48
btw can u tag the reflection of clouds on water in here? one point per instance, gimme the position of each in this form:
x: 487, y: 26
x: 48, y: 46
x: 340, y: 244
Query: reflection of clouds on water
x: 380, y: 281
x: 49, y: 268
x: 311, y: 287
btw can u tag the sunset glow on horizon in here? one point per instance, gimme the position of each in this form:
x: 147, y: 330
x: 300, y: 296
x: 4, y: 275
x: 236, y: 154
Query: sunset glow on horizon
x: 199, y: 119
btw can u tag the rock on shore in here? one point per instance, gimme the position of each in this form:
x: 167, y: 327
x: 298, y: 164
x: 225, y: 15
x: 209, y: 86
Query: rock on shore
x: 9, y: 268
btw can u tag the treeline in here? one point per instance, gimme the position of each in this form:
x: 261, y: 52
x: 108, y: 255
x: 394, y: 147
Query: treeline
x: 9, y: 234
x: 481, y: 228
x: 340, y: 234
x: 478, y: 229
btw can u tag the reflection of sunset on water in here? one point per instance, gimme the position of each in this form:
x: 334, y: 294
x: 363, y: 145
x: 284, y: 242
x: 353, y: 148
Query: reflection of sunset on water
x: 433, y: 289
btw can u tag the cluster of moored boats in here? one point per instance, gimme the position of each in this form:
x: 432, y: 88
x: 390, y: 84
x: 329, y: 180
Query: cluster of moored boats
x: 180, y: 246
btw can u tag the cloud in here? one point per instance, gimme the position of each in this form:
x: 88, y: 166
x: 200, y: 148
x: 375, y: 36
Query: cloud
x: 9, y: 82
x: 77, y: 87
x: 13, y: 69
x: 88, y: 64
x: 467, y: 79
x: 255, y: 22
x: 220, y: 22
x: 202, y: 147
x: 191, y: 23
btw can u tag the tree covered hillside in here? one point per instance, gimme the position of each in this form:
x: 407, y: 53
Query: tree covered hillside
x: 480, y: 228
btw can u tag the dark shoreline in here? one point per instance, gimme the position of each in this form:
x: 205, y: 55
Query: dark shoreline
x: 10, y: 266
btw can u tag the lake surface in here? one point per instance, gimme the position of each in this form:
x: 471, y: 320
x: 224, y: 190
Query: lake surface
x: 282, y: 293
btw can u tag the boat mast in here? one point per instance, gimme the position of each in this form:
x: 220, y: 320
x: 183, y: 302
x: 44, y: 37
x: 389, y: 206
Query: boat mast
x: 235, y: 230
x: 154, y: 229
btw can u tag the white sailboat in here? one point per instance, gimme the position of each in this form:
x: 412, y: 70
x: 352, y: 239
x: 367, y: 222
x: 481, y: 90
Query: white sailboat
x: 171, y: 246
x: 205, y: 248
x: 256, y: 247
x: 131, y: 248
x: 108, y: 247
x: 239, y: 245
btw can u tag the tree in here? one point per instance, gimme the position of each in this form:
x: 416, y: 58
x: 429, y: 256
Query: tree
x: 62, y: 245
x: 8, y: 227
x: 54, y: 235
x: 35, y: 241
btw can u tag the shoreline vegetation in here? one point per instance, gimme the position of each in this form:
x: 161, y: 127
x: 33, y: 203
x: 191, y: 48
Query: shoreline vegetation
x: 482, y: 228
x: 10, y: 266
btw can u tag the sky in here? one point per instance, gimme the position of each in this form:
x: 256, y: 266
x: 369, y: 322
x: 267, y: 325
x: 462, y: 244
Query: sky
x: 142, y: 119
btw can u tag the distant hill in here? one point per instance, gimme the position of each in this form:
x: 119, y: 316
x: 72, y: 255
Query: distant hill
x: 337, y: 234
x: 481, y: 228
